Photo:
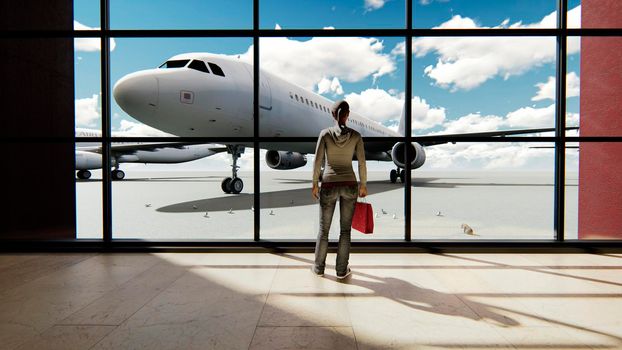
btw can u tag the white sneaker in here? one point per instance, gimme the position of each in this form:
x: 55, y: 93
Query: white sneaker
x: 348, y: 273
x: 315, y: 273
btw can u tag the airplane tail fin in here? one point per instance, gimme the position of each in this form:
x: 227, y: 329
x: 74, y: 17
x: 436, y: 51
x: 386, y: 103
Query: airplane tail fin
x: 402, y: 127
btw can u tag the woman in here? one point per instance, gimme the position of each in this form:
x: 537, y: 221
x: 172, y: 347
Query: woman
x: 337, y: 145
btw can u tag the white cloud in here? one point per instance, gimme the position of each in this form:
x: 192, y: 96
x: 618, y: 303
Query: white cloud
x: 572, y: 119
x: 473, y: 122
x: 425, y: 117
x: 428, y: 2
x: 326, y: 85
x: 547, y: 90
x: 531, y: 117
x: 329, y: 28
x: 134, y: 129
x: 371, y: 5
x: 306, y: 63
x: 376, y: 104
x: 381, y: 106
x: 498, y: 155
x: 573, y: 85
x: 89, y: 44
x: 467, y: 62
x: 399, y: 49
x: 489, y: 155
x: 87, y: 111
x: 524, y: 117
x: 573, y: 19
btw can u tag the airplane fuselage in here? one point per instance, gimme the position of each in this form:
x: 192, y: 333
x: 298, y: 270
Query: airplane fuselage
x: 188, y: 102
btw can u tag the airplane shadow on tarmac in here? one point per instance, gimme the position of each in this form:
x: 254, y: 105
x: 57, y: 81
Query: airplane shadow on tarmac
x: 302, y: 196
x: 275, y: 199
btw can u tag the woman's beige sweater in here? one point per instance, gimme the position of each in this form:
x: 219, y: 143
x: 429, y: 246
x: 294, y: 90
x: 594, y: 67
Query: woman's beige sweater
x: 338, y: 146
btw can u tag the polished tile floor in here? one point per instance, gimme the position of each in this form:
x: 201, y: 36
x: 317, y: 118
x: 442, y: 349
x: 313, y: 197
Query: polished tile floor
x: 273, y: 301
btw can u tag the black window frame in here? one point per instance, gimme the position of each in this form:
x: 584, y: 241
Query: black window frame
x: 561, y: 33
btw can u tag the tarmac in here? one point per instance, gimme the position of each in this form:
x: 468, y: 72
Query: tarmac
x: 190, y: 205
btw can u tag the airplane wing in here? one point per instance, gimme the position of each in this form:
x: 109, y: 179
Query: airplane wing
x: 429, y: 140
x: 143, y: 146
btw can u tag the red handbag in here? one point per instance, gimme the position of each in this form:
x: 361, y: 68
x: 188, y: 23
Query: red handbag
x: 363, y: 219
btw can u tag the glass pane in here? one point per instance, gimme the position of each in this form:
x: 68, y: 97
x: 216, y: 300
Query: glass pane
x: 571, y: 217
x: 484, y: 191
x: 189, y: 14
x: 573, y: 85
x: 302, y: 78
x: 385, y: 196
x: 302, y: 14
x: 593, y: 209
x: 594, y: 74
x: 183, y: 199
x: 484, y: 14
x: 597, y: 14
x: 466, y: 85
x: 288, y: 210
x: 89, y: 190
x: 86, y: 15
x: 87, y: 86
x: 177, y: 99
x: 573, y: 19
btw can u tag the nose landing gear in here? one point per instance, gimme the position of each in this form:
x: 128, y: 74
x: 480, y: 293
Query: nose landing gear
x: 233, y: 184
x: 395, y: 173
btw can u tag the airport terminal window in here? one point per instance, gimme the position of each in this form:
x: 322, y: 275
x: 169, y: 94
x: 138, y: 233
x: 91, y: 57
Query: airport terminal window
x: 175, y: 64
x: 198, y: 65
x: 431, y: 117
x: 216, y: 69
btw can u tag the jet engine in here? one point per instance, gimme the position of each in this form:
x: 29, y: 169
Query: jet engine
x: 417, y: 155
x: 284, y: 160
x: 88, y: 160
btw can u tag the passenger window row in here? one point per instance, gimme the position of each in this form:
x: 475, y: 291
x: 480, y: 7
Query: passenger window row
x: 327, y: 110
x: 309, y: 103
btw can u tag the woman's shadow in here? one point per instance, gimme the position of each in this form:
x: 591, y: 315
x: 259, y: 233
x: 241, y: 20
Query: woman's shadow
x: 421, y: 298
x: 429, y: 300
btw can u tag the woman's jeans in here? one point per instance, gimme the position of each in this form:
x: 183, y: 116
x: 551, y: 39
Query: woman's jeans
x: 347, y: 201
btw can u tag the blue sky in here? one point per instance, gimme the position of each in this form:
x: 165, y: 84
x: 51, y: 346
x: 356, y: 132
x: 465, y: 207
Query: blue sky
x: 459, y: 84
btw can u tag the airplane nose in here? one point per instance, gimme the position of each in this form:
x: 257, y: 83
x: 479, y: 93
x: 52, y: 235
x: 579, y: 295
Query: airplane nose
x: 137, y: 93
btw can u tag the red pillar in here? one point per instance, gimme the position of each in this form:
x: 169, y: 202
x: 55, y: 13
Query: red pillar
x: 600, y: 164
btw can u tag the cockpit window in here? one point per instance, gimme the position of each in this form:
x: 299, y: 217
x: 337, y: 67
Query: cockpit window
x: 174, y: 64
x: 198, y: 65
x: 216, y: 69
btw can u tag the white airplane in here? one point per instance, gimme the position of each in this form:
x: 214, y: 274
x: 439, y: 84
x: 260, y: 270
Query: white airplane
x: 210, y: 95
x: 89, y: 155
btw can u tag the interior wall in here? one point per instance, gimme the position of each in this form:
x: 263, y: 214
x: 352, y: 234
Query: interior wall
x: 600, y: 164
x: 37, y: 176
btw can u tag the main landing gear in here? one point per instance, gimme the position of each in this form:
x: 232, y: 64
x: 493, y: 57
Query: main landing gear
x: 117, y: 174
x: 83, y: 174
x: 233, y: 184
x: 395, y: 173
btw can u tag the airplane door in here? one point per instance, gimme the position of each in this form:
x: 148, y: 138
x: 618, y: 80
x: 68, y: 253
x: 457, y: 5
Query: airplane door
x: 265, y: 93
